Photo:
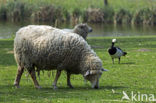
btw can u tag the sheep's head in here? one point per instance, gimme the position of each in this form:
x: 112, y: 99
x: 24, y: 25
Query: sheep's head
x: 93, y: 77
x: 94, y: 72
x: 82, y: 30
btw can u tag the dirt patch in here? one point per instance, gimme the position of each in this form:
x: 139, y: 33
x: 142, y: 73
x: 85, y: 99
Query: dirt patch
x: 94, y: 15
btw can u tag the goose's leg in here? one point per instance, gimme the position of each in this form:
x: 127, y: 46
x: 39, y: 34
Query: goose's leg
x: 119, y: 60
x: 113, y: 60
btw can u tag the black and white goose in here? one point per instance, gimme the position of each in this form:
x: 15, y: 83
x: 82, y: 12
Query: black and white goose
x: 115, y: 52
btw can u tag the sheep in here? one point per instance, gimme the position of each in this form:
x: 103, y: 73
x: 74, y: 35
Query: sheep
x: 48, y: 48
x: 81, y: 29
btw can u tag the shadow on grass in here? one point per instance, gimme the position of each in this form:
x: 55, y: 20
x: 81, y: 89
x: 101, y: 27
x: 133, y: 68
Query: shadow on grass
x: 112, y: 87
x: 9, y: 93
x: 128, y: 63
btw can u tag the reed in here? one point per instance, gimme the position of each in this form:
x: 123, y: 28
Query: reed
x: 75, y: 11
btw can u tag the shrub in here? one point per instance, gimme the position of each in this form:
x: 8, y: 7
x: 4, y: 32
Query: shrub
x: 94, y: 15
x: 122, y: 17
x: 66, y: 15
x: 152, y: 21
x: 76, y: 15
x: 143, y: 16
x: 3, y: 12
x: 76, y: 12
x: 18, y: 11
x: 48, y: 13
x: 108, y: 14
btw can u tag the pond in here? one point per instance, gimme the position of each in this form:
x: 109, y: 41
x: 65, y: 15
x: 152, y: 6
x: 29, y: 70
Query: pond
x: 8, y: 29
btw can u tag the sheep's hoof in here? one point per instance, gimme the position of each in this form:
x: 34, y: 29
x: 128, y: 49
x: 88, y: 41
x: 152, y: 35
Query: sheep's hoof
x: 16, y: 85
x: 38, y: 87
x: 70, y: 86
x: 55, y: 87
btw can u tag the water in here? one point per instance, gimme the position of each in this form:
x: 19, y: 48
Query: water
x: 8, y: 29
x: 122, y: 30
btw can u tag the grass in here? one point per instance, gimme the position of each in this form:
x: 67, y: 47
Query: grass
x: 135, y: 73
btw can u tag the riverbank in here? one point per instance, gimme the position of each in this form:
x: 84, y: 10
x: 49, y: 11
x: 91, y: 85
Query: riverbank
x: 135, y: 73
x: 74, y: 11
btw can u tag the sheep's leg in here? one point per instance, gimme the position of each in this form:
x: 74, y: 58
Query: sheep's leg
x: 18, y: 76
x: 68, y: 80
x: 119, y: 61
x: 58, y: 73
x: 33, y: 76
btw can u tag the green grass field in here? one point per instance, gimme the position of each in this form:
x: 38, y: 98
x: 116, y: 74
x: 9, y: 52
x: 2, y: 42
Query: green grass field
x: 136, y: 73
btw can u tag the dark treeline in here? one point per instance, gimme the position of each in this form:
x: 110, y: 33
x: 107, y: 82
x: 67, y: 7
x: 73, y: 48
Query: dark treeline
x: 19, y: 11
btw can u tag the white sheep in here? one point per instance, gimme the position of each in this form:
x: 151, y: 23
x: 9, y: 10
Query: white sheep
x: 81, y: 29
x: 48, y: 48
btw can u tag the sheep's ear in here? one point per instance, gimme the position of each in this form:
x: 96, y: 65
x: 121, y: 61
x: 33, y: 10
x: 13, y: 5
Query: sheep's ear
x: 102, y: 69
x: 87, y: 73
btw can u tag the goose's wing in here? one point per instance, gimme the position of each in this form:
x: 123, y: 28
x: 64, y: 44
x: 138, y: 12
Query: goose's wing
x: 119, y: 49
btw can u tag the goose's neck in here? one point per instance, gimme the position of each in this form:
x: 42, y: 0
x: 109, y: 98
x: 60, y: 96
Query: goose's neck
x: 112, y: 45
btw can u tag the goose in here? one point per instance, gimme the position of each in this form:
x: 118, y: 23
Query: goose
x: 115, y: 52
